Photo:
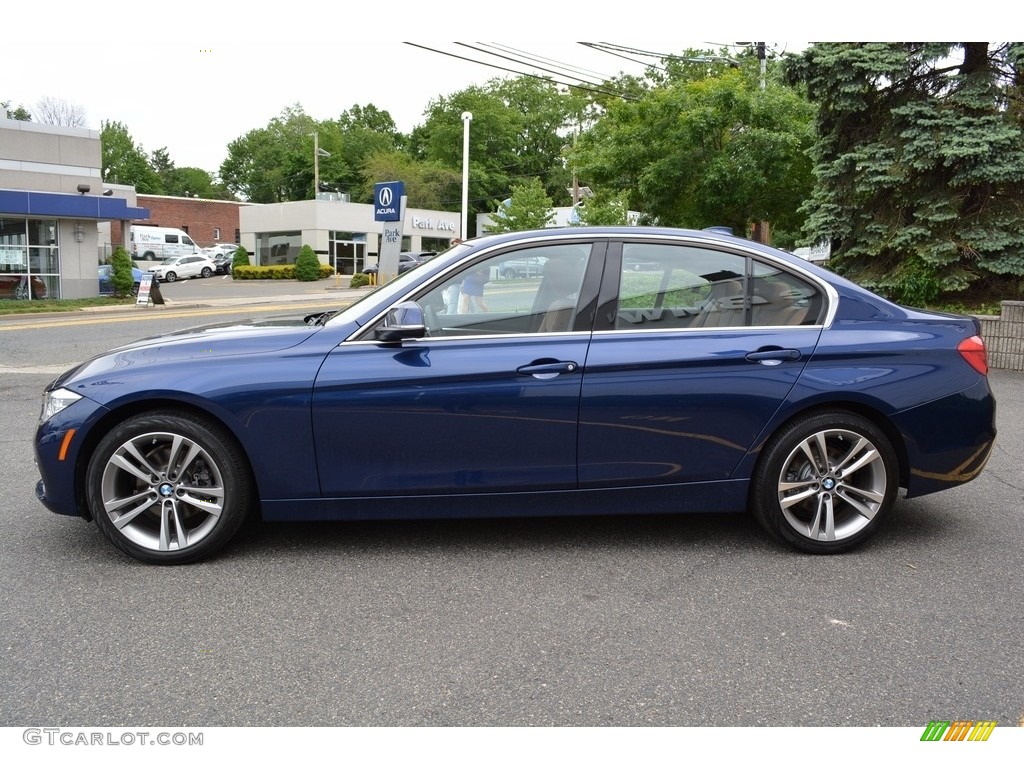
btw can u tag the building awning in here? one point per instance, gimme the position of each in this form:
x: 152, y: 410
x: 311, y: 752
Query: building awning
x: 65, y: 206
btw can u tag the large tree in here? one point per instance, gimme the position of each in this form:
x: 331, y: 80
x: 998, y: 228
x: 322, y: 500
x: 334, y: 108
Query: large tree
x: 53, y: 111
x: 705, y: 148
x: 125, y: 162
x: 278, y: 163
x: 427, y: 185
x: 920, y: 164
x: 518, y: 131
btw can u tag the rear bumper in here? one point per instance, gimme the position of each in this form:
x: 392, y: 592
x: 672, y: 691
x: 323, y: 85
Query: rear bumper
x: 949, y: 440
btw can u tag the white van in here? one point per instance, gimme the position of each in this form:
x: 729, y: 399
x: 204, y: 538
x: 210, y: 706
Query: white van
x: 159, y: 243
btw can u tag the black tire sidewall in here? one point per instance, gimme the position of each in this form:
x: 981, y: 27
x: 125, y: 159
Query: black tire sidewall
x: 234, y: 469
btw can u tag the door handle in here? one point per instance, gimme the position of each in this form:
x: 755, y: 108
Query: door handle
x: 548, y: 370
x: 773, y: 356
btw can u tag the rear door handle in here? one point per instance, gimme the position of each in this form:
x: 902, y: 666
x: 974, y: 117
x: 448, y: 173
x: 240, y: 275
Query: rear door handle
x: 773, y: 356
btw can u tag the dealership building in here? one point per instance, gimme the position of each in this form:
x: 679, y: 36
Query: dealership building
x: 59, y: 220
x: 52, y: 199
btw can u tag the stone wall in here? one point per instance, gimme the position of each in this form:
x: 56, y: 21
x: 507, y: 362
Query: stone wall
x: 1004, y: 337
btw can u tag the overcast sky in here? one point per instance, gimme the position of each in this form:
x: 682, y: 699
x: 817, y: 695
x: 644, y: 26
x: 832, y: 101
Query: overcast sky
x: 193, y: 76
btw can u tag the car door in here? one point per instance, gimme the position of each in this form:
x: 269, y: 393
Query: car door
x: 680, y: 381
x: 486, y: 403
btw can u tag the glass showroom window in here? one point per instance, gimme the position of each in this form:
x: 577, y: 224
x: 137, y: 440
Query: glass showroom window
x: 29, y: 262
x: 277, y: 248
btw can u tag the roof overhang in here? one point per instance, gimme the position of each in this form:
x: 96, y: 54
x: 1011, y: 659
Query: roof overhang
x: 59, y: 205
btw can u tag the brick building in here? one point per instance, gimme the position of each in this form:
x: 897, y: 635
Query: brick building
x: 208, y: 222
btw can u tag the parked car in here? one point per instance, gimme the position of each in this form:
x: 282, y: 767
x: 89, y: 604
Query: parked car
x: 106, y: 277
x: 17, y: 287
x: 198, y: 265
x: 733, y: 377
x: 221, y: 249
x: 406, y: 260
x: 222, y: 263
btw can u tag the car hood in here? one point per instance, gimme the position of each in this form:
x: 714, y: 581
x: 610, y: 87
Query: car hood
x: 209, y: 342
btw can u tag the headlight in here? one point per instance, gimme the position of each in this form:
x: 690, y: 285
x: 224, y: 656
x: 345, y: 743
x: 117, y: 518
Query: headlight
x: 56, y: 401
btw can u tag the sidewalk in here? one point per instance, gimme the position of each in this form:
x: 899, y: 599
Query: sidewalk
x: 332, y: 296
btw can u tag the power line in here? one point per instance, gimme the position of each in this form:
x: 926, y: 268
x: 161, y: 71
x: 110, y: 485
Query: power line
x: 579, y: 86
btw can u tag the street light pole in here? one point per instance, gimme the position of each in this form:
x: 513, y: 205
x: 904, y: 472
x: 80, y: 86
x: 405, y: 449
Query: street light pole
x: 317, y: 154
x: 316, y: 164
x: 467, y: 117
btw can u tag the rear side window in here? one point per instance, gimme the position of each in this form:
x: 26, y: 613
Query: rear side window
x: 680, y: 286
x: 170, y: 238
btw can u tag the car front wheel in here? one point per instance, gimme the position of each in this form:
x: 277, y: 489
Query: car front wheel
x: 168, y: 488
x: 206, y: 272
x: 170, y: 277
x: 825, y: 482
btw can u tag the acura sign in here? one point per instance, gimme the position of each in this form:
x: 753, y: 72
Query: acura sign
x: 387, y: 201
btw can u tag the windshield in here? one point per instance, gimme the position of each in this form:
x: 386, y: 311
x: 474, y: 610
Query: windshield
x: 169, y: 261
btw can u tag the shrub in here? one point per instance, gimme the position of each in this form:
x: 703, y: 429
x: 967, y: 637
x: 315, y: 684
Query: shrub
x: 240, y: 259
x: 121, y: 272
x: 307, y: 265
x: 359, y: 279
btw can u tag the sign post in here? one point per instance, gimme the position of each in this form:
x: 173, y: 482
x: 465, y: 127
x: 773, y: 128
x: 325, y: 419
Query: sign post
x: 389, y: 208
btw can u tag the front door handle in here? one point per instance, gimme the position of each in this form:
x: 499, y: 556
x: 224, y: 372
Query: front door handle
x: 548, y: 370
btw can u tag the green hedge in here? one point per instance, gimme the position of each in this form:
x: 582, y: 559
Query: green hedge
x: 277, y: 272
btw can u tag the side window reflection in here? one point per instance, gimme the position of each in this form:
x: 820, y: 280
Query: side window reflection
x: 673, y: 286
x: 534, y: 290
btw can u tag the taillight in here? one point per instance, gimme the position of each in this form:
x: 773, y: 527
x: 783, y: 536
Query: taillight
x: 973, y: 351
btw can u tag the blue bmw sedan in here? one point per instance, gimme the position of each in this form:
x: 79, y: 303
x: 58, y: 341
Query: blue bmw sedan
x: 724, y: 376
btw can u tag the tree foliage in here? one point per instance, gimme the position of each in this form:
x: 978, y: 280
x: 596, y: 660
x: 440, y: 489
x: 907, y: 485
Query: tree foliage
x: 427, y: 184
x: 700, y: 152
x: 604, y: 210
x: 121, y: 271
x: 528, y: 208
x: 307, y: 265
x: 518, y: 132
x: 15, y: 113
x: 277, y: 163
x: 920, y: 163
x: 125, y: 162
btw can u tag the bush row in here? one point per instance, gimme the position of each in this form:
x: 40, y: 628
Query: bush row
x: 276, y: 272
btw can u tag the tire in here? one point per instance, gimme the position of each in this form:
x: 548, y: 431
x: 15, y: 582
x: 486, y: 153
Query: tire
x: 206, y: 272
x: 825, y: 482
x: 168, y: 488
x: 149, y: 256
x: 170, y: 277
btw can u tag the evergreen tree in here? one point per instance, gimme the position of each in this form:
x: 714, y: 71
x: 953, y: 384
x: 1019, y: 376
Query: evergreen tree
x: 307, y: 265
x: 240, y: 259
x: 919, y: 164
x: 121, y: 272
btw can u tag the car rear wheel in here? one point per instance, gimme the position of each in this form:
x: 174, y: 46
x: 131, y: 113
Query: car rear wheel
x: 825, y: 482
x: 168, y: 488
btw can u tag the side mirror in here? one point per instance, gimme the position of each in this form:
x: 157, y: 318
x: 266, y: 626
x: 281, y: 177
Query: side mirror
x: 404, y: 321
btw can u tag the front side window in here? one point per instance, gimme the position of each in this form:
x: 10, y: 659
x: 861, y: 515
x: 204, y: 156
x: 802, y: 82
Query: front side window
x: 494, y: 296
